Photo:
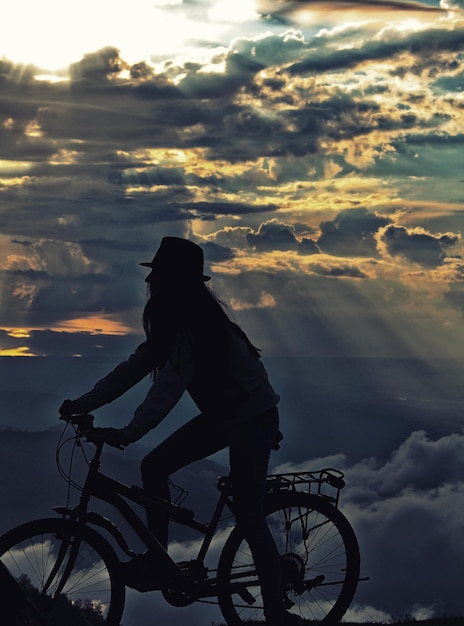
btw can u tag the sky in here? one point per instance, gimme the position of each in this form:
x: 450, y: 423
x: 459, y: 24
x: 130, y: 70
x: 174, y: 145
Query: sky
x: 315, y: 151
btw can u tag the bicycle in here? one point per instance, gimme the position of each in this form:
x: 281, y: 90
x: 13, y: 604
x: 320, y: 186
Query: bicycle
x: 76, y: 557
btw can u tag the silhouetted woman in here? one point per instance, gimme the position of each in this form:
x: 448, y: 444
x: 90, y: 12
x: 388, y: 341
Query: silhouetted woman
x: 191, y: 344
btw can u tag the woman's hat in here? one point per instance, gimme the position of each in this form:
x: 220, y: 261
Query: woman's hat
x: 178, y: 258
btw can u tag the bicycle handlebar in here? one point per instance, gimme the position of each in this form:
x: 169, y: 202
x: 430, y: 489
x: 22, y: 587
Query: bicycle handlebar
x: 83, y: 421
x: 85, y: 427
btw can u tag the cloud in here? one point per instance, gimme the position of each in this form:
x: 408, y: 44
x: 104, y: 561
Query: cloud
x: 97, y: 66
x: 308, y: 246
x: 359, y: 236
x: 453, y: 5
x: 419, y: 487
x: 335, y: 268
x: 289, y: 172
x: 417, y: 245
x: 232, y: 236
x: 455, y: 296
x: 435, y: 40
x: 294, y: 9
x: 351, y: 233
x: 273, y: 235
x: 260, y: 301
x: 214, y: 253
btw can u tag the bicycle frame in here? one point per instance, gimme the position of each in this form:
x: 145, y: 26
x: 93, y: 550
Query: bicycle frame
x: 115, y: 493
x: 182, y: 587
x: 81, y: 557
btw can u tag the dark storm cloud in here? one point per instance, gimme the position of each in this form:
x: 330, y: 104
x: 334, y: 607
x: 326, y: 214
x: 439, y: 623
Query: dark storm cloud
x: 239, y: 70
x: 55, y: 299
x: 92, y: 111
x: 423, y: 46
x: 102, y: 113
x: 94, y: 119
x: 96, y: 159
x: 59, y: 297
x: 273, y: 235
x: 419, y: 247
x: 95, y: 108
x: 215, y: 253
x: 419, y: 486
x: 308, y: 246
x: 99, y: 116
x: 351, y: 233
x: 97, y: 66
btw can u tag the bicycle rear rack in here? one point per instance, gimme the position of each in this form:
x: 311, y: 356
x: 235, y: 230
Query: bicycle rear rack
x: 326, y: 483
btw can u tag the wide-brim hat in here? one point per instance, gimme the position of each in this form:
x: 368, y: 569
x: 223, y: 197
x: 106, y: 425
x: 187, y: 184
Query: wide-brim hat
x: 179, y: 259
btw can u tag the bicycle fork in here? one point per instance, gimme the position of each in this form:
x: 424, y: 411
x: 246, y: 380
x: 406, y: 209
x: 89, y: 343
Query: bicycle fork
x: 72, y: 542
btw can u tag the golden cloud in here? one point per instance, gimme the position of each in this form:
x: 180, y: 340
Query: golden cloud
x: 95, y: 325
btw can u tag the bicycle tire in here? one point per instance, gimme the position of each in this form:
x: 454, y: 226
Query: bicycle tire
x: 93, y: 587
x: 316, y: 543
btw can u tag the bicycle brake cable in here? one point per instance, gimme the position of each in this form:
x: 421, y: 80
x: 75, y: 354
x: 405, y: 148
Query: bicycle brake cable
x: 67, y: 474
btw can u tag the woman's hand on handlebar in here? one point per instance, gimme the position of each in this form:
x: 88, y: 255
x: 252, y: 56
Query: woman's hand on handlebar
x: 115, y: 437
x: 69, y: 408
x: 71, y: 411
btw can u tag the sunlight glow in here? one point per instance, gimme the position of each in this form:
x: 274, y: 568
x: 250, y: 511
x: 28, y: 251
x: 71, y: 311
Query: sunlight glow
x: 237, y: 11
x: 21, y: 351
x: 266, y: 301
x: 19, y: 333
x: 95, y: 325
x: 50, y: 78
x: 53, y: 34
x: 13, y: 167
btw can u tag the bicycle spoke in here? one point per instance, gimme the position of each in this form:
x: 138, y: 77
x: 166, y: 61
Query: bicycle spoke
x: 52, y: 562
x: 319, y: 562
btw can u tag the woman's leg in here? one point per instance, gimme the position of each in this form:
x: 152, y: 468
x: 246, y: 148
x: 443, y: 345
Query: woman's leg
x: 199, y: 438
x: 249, y: 458
x: 250, y: 445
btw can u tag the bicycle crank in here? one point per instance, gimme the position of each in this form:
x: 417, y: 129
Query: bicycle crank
x: 186, y: 592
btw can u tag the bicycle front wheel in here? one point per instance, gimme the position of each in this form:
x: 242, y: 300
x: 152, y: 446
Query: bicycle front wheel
x: 319, y: 557
x: 68, y: 573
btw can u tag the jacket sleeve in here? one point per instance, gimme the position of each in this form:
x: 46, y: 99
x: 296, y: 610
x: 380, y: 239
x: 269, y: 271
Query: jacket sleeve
x: 116, y: 383
x: 170, y: 383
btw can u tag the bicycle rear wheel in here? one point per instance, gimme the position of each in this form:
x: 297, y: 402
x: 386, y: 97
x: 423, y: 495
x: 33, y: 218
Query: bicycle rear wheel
x: 69, y: 573
x: 319, y: 558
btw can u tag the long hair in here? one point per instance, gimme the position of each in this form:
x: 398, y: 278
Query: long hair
x: 196, y: 309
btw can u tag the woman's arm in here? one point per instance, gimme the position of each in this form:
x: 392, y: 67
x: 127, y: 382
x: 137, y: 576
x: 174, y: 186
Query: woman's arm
x: 115, y: 384
x: 171, y: 382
